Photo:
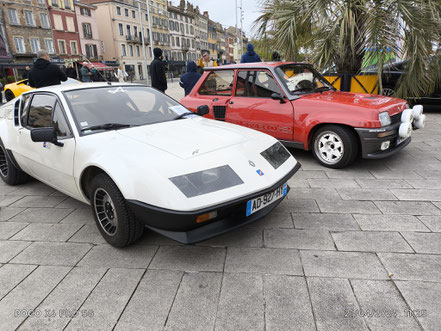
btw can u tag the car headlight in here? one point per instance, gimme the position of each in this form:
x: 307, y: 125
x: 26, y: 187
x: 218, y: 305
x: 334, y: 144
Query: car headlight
x: 384, y: 118
x: 276, y: 155
x: 206, y: 181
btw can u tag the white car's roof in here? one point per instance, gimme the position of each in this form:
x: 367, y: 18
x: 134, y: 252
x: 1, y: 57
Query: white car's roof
x: 70, y: 87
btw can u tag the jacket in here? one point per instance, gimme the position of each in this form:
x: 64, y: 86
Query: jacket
x: 190, y: 78
x: 250, y: 55
x: 157, y: 72
x: 43, y: 73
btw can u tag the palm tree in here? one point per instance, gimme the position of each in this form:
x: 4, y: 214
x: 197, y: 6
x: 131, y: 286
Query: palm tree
x: 344, y: 33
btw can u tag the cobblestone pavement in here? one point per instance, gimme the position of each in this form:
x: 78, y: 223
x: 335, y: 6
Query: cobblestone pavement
x: 354, y: 249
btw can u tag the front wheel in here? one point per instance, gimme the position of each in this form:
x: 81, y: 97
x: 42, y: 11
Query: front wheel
x: 9, y: 95
x: 115, y: 221
x: 335, y: 146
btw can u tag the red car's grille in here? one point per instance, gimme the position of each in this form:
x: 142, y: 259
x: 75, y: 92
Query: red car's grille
x: 395, y: 118
x: 219, y: 112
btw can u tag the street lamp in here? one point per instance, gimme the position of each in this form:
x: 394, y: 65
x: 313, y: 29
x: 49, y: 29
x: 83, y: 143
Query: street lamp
x: 143, y: 43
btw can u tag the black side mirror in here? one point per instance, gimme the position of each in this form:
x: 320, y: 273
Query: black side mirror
x: 278, y: 96
x: 203, y: 110
x: 45, y: 134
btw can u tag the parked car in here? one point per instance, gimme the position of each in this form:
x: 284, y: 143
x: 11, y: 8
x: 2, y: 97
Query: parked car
x: 140, y: 158
x: 297, y: 105
x: 13, y: 90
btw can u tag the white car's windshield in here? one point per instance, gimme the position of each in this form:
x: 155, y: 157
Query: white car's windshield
x: 116, y: 107
x: 301, y: 78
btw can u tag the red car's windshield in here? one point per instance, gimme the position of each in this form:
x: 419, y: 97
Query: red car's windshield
x: 301, y: 78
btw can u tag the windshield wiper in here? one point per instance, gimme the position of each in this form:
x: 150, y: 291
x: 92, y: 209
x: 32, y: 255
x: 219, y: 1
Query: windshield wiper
x: 323, y: 88
x: 183, y: 114
x: 107, y: 126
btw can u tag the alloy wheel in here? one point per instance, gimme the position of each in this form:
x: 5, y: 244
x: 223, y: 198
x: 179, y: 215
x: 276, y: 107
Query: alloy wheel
x: 105, y: 211
x: 329, y: 147
x: 4, y: 169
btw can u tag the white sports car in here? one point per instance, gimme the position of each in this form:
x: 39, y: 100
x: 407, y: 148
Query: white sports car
x: 139, y: 158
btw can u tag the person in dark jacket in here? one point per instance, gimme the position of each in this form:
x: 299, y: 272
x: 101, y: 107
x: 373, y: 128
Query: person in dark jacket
x: 25, y: 74
x: 96, y: 77
x: 190, y: 78
x: 275, y: 56
x: 44, y: 73
x: 157, y: 71
x: 250, y: 55
x: 71, y: 72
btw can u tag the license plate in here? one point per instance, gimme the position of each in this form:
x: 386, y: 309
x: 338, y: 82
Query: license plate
x: 261, y: 202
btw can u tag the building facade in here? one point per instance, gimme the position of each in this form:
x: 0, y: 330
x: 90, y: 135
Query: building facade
x: 91, y: 45
x: 160, y: 32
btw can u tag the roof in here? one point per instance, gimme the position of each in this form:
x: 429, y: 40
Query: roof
x: 253, y: 65
x: 70, y: 87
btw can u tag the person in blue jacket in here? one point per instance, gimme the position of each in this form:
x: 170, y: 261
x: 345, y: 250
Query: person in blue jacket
x: 250, y: 55
x: 190, y: 78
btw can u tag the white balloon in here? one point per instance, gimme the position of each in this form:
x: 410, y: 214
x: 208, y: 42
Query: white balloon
x: 420, y: 123
x: 405, y: 130
x: 407, y: 116
x: 417, y: 111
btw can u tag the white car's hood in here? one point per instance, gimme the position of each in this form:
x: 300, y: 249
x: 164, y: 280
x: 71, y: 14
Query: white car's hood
x: 187, y: 138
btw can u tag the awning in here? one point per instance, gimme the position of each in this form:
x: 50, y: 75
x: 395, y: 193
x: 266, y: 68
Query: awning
x: 98, y: 66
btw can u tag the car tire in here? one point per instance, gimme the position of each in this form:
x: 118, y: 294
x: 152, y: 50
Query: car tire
x: 9, y: 173
x: 9, y: 95
x: 334, y: 146
x: 388, y: 91
x: 115, y: 221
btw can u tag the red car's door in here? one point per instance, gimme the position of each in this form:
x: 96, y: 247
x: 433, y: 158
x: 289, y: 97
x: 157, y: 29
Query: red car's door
x: 252, y: 105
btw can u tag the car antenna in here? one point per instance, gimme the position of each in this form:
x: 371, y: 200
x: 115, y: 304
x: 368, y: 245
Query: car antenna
x: 105, y: 79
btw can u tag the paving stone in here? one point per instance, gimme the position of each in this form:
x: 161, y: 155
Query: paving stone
x: 26, y: 296
x: 324, y: 221
x: 47, y: 232
x: 304, y: 205
x: 382, y: 305
x: 432, y: 222
x: 241, y: 304
x: 310, y: 174
x: 295, y: 183
x: 37, y: 201
x: 424, y: 242
x: 383, y: 183
x: 407, y: 207
x: 367, y: 241
x: 287, y: 304
x: 7, y: 200
x: 334, y: 183
x: 9, y: 249
x: 81, y: 216
x: 300, y: 239
x: 151, y: 302
x: 353, y: 173
x: 396, y: 174
x: 196, y: 302
x: 428, y: 183
x: 8, y: 190
x: 263, y: 260
x: 350, y: 207
x: 56, y: 254
x: 11, y: 275
x: 429, y: 174
x: 133, y: 256
x: 417, y: 194
x: 33, y: 188
x: 333, y: 303
x: 72, y: 203
x: 280, y: 217
x: 365, y: 194
x: 342, y: 265
x: 7, y: 212
x: 189, y: 258
x: 412, y: 266
x: 108, y: 300
x: 390, y: 223
x: 8, y: 229
x: 438, y: 204
x: 314, y: 193
x: 88, y: 233
x: 66, y: 299
x: 250, y: 235
x: 41, y: 215
x: 423, y: 299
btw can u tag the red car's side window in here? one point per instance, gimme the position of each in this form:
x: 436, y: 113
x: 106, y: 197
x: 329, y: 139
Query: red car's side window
x: 219, y: 82
x: 256, y: 83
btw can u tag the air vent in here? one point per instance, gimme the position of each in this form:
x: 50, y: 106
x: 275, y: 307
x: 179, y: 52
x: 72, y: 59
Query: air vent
x: 219, y: 112
x: 16, y: 108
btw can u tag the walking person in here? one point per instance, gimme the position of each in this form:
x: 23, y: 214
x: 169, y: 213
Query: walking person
x: 45, y: 73
x: 190, y: 78
x: 157, y: 71
x: 250, y: 55
x: 121, y: 75
x: 85, y: 73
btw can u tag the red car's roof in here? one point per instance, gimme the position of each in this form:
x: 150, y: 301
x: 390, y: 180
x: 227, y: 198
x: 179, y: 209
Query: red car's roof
x: 253, y: 65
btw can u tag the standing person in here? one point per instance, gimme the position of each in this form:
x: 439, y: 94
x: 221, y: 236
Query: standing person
x: 71, y: 72
x: 157, y: 71
x: 45, y: 73
x: 95, y: 75
x: 205, y: 60
x: 85, y: 73
x: 121, y: 74
x: 189, y: 79
x: 250, y: 55
x: 26, y: 73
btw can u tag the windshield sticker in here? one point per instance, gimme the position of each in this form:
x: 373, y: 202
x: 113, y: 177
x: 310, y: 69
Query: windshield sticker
x: 179, y: 109
x: 84, y: 124
x: 119, y: 89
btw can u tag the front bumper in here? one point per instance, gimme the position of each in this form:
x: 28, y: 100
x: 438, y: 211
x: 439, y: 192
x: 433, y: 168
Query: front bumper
x: 371, y: 143
x: 182, y: 227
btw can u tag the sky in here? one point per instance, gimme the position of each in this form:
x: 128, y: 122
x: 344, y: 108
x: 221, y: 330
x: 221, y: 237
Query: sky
x: 223, y: 11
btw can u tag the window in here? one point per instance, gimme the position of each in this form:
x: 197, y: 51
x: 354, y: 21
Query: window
x: 128, y: 31
x: 135, y: 31
x: 73, y: 47
x: 67, y: 4
x: 259, y: 84
x: 126, y: 12
x: 25, y: 108
x: 138, y: 54
x: 13, y: 18
x: 49, y: 46
x: 91, y: 51
x: 40, y: 111
x: 54, y: 3
x: 62, y: 46
x: 44, y: 21
x: 59, y: 122
x: 41, y: 2
x: 130, y: 50
x: 177, y: 41
x: 121, y: 29
x: 70, y: 24
x: 87, y: 30
x: 118, y: 10
x: 19, y: 45
x: 58, y: 22
x: 123, y: 50
x: 218, y: 83
x: 172, y: 40
x: 35, y: 44
x: 146, y: 17
x: 86, y: 11
x: 133, y: 14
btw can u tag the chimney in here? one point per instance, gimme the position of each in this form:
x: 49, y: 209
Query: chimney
x: 206, y: 14
x: 182, y: 5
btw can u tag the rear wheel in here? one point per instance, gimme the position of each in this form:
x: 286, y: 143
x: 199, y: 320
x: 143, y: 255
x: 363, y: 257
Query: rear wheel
x: 335, y: 146
x: 9, y: 95
x: 115, y: 221
x: 9, y: 173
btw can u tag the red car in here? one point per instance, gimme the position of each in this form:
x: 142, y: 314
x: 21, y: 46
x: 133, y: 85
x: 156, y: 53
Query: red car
x: 297, y: 105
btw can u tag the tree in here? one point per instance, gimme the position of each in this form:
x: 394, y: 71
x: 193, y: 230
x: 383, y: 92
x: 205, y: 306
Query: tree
x: 344, y: 33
